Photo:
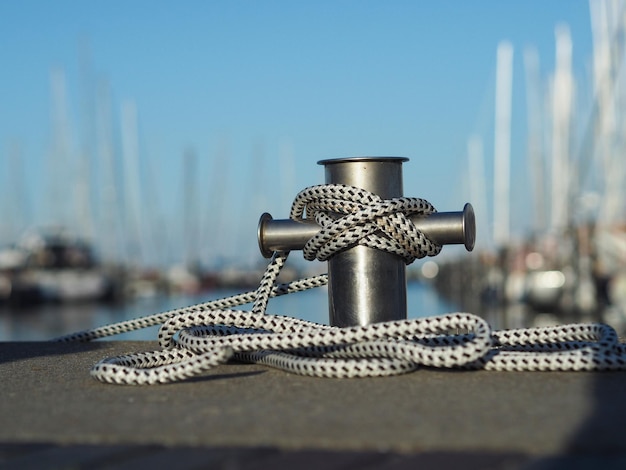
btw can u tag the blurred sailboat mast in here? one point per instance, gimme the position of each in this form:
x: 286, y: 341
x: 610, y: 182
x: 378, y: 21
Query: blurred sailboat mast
x: 59, y: 163
x: 608, y: 22
x: 15, y: 206
x: 535, y: 153
x: 132, y: 180
x: 190, y: 211
x: 502, y: 144
x: 562, y: 105
x: 108, y: 230
x: 214, y: 239
x: 478, y: 185
x: 85, y: 186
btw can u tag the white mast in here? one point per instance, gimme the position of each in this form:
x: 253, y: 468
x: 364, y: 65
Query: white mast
x: 603, y: 29
x: 535, y: 154
x: 562, y: 102
x: 189, y: 210
x: 502, y: 143
x: 60, y: 163
x: 288, y: 175
x: 14, y: 207
x: 478, y: 194
x: 109, y: 204
x: 85, y: 184
x: 132, y: 180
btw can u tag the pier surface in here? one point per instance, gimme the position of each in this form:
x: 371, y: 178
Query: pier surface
x: 54, y: 415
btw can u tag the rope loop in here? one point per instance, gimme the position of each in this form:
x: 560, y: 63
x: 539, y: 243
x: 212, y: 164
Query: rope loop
x: 351, y: 216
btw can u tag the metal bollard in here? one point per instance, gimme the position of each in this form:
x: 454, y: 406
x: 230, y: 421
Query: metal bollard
x: 366, y: 285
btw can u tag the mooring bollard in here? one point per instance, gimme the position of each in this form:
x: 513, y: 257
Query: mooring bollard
x: 366, y: 285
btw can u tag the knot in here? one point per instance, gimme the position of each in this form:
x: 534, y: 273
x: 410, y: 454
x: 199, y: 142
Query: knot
x: 351, y: 216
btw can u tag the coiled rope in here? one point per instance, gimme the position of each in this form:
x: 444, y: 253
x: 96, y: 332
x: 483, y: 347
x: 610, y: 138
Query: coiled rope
x: 198, y: 338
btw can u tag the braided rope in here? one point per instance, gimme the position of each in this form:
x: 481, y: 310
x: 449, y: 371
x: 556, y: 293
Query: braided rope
x: 198, y: 338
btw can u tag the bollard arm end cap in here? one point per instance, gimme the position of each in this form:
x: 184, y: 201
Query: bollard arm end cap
x: 469, y: 226
x: 265, y: 217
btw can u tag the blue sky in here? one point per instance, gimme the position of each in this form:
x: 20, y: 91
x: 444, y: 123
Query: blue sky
x: 253, y: 87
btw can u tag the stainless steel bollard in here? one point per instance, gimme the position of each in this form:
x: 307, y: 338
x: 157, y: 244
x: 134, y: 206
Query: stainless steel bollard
x: 366, y: 285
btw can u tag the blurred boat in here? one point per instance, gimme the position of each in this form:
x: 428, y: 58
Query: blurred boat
x: 52, y: 266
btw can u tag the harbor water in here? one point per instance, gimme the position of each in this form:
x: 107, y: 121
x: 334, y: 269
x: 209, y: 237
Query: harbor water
x: 44, y: 322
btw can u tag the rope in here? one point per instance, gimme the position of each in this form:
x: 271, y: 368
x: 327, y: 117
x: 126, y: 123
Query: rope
x: 198, y: 338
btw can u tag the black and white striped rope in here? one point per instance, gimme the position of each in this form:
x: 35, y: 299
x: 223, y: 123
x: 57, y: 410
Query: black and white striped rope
x: 198, y: 338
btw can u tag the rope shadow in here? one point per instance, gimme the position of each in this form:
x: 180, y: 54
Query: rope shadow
x: 221, y: 376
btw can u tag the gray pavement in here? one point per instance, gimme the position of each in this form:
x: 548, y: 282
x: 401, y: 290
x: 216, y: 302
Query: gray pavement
x: 49, y: 399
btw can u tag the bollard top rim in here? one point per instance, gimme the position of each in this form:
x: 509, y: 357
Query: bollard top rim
x: 330, y: 161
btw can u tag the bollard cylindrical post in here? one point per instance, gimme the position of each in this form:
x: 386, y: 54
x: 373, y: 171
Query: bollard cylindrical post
x: 366, y: 285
